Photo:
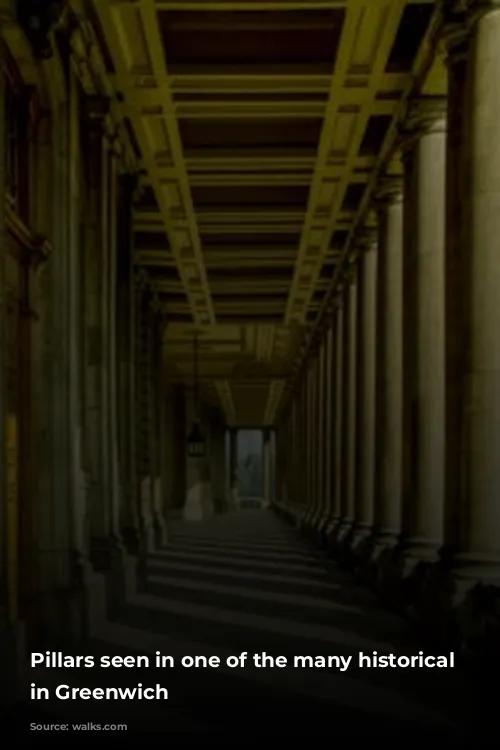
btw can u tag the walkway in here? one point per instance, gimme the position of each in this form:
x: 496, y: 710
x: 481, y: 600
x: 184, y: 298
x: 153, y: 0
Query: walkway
x: 246, y: 582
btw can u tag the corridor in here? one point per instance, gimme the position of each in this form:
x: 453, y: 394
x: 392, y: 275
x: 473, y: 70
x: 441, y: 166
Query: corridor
x: 249, y: 355
x: 248, y: 582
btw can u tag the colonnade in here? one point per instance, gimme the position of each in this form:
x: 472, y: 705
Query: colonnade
x: 407, y: 365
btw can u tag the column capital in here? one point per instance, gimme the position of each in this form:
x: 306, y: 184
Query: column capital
x: 351, y: 270
x: 389, y: 190
x: 426, y: 114
x: 458, y: 20
x: 366, y: 238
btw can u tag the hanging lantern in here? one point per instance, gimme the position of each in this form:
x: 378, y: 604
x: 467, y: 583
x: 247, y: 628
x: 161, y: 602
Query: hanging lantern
x: 196, y: 442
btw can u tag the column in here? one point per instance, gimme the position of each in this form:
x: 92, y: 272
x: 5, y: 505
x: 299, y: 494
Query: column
x: 338, y: 415
x: 290, y: 457
x: 157, y: 397
x: 473, y: 253
x: 349, y: 396
x: 313, y: 436
x: 233, y: 465
x: 320, y: 431
x: 115, y: 486
x: 367, y: 329
x: 424, y: 243
x: 96, y: 418
x: 389, y: 364
x: 308, y: 440
x: 129, y: 521
x: 328, y: 430
x: 305, y: 442
x: 143, y: 408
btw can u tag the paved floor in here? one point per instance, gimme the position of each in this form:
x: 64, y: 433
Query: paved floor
x: 245, y: 582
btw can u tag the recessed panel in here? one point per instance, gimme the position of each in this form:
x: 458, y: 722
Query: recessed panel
x: 238, y: 137
x: 222, y: 42
x: 151, y: 241
x: 412, y: 28
x: 250, y: 197
x: 256, y: 239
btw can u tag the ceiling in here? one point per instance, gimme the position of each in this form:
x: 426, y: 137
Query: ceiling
x: 259, y: 128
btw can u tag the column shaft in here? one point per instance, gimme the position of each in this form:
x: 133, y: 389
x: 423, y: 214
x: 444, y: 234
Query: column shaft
x: 328, y: 417
x: 349, y: 395
x: 367, y: 396
x: 338, y: 415
x: 425, y: 514
x: 481, y: 406
x: 389, y: 369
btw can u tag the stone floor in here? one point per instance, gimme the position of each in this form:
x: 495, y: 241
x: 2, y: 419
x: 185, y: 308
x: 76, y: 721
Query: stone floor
x: 247, y: 582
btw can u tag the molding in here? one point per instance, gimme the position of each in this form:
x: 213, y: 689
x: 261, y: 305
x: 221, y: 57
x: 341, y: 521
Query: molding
x: 424, y: 115
x: 389, y: 190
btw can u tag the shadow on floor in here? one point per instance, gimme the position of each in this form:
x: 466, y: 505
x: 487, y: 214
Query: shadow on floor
x: 245, y: 582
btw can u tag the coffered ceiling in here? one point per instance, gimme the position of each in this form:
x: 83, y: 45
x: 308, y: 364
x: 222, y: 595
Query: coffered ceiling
x: 258, y: 127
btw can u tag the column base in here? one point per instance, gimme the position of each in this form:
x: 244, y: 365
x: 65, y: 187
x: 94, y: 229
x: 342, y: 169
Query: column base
x: 362, y: 532
x: 323, y: 529
x: 306, y: 521
x: 331, y: 532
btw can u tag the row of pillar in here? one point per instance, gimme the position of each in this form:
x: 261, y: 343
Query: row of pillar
x: 94, y: 368
x: 407, y: 474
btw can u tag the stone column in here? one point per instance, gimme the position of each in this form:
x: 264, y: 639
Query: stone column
x: 307, y: 440
x: 157, y: 323
x: 320, y: 435
x: 338, y: 415
x: 129, y: 522
x: 367, y: 341
x: 143, y: 410
x: 349, y: 396
x: 61, y: 542
x: 424, y: 244
x: 389, y: 364
x: 478, y: 277
x: 97, y: 311
x: 312, y: 419
x: 328, y: 431
x: 115, y: 486
x: 287, y: 456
